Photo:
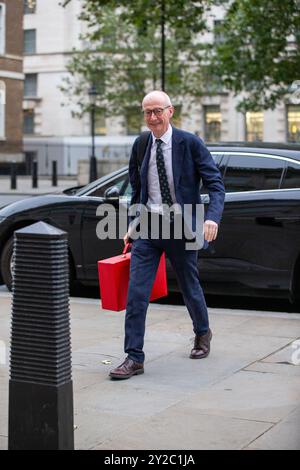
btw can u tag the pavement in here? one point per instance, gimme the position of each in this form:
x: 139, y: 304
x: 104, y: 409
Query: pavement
x: 244, y: 395
x: 24, y: 185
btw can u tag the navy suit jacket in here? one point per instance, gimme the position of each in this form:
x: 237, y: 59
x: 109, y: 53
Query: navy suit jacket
x: 191, y: 162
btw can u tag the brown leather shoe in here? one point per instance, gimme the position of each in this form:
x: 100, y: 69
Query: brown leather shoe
x: 201, y: 346
x: 127, y: 369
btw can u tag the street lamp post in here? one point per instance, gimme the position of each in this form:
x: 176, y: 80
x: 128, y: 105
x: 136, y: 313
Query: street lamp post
x: 162, y: 44
x: 93, y: 161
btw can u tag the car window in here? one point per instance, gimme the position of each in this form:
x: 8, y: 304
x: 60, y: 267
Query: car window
x: 292, y: 176
x: 217, y: 158
x: 220, y: 162
x: 127, y: 190
x: 119, y: 182
x: 251, y: 173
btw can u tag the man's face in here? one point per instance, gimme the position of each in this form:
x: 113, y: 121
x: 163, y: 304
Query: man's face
x: 158, y: 123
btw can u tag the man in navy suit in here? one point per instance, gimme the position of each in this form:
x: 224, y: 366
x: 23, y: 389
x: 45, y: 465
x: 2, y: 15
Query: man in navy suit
x: 173, y: 166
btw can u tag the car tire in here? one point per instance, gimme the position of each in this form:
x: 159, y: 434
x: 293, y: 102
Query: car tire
x: 6, y: 263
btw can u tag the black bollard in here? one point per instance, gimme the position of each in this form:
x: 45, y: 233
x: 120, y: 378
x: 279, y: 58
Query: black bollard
x: 40, y: 385
x: 34, y: 174
x: 13, y: 175
x: 54, y: 173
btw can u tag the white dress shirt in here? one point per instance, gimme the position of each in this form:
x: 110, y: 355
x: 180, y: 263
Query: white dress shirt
x: 154, y: 203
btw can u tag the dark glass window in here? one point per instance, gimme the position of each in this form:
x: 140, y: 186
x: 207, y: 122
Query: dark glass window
x: 29, y: 6
x: 254, y: 126
x: 127, y: 190
x: 100, y: 122
x: 2, y: 28
x: 219, y: 161
x: 2, y: 108
x: 217, y: 158
x: 246, y: 173
x: 212, y: 123
x: 30, y: 85
x: 29, y: 41
x: 109, y: 39
x: 292, y: 176
x: 218, y: 34
x: 293, y: 123
x: 28, y: 121
x: 120, y: 183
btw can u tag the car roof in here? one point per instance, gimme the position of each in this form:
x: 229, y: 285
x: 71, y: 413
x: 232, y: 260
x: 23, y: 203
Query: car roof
x: 283, y: 150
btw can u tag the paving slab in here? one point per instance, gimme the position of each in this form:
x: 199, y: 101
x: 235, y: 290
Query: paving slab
x: 180, y: 427
x: 290, y: 328
x: 243, y: 396
x: 249, y: 395
x: 290, y: 354
x: 126, y: 398
x: 93, y: 428
x: 285, y: 435
x: 274, y: 368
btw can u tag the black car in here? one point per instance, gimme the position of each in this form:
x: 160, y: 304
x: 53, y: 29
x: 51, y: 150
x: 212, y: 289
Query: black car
x: 257, y: 251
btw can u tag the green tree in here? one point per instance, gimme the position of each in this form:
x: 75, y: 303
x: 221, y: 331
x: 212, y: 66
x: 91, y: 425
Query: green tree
x: 258, y: 51
x: 256, y: 54
x: 122, y: 52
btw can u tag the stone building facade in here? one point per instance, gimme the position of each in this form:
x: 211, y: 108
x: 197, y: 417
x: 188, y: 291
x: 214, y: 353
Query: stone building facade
x: 50, y: 34
x: 11, y: 80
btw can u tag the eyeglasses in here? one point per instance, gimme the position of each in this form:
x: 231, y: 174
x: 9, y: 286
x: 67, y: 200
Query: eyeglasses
x: 157, y: 111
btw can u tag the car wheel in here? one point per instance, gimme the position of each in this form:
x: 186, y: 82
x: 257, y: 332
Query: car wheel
x: 7, y: 263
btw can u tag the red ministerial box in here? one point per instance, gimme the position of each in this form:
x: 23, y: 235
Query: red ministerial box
x: 114, y: 278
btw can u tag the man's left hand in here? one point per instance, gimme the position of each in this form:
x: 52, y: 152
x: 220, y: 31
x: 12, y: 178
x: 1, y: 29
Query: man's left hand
x: 210, y: 230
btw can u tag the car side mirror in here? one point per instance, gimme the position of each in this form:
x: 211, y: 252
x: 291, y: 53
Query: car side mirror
x: 112, y: 192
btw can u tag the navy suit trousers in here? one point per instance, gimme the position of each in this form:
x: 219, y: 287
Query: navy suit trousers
x: 145, y: 257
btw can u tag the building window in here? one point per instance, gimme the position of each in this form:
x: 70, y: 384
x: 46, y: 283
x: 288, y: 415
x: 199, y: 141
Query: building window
x: 29, y: 6
x: 254, y: 126
x: 212, y: 123
x: 293, y: 123
x: 29, y: 41
x: 2, y: 109
x: 2, y: 28
x: 28, y: 121
x: 100, y: 126
x: 218, y: 34
x: 30, y: 85
x: 109, y: 39
x: 133, y: 121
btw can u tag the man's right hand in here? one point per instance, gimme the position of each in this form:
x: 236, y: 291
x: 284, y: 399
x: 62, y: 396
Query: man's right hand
x: 126, y: 238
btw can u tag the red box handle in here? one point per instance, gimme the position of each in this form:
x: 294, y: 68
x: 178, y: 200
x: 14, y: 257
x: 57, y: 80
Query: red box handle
x: 126, y: 248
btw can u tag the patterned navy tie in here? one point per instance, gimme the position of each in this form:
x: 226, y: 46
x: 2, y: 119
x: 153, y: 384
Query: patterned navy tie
x: 162, y: 175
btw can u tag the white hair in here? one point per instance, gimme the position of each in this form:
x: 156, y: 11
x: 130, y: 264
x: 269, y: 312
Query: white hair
x: 157, y: 94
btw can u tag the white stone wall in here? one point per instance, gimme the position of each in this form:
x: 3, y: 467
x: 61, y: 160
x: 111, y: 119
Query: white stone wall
x: 57, y: 32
